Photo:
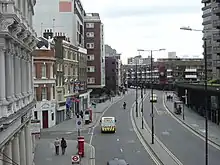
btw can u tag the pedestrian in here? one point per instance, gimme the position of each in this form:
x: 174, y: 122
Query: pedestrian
x: 81, y: 114
x: 63, y: 146
x: 57, y: 145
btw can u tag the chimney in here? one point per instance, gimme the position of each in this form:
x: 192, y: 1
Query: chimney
x: 48, y: 33
x: 60, y: 35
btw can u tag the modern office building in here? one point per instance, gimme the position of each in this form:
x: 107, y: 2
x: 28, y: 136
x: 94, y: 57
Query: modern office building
x: 211, y: 24
x: 139, y: 60
x: 66, y: 16
x: 94, y: 43
x: 18, y: 40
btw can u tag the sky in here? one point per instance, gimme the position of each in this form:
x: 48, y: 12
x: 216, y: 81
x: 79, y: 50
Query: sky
x: 150, y: 24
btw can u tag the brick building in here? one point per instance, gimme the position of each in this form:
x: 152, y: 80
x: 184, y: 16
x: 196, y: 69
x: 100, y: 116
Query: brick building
x: 94, y: 43
x: 44, y: 84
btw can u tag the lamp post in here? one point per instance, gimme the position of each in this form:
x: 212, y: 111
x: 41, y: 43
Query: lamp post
x: 136, y: 77
x: 152, y: 105
x: 206, y: 91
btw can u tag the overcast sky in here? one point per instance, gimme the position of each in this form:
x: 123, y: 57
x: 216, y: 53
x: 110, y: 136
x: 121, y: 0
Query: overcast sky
x: 150, y: 24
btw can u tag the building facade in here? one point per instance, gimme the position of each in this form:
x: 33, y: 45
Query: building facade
x: 94, y: 43
x: 52, y: 14
x: 166, y: 71
x: 71, y: 76
x: 44, y: 84
x: 211, y: 23
x: 18, y: 40
x: 139, y: 60
x: 111, y: 77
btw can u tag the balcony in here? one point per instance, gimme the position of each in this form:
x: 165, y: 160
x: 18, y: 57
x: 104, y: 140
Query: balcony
x: 217, y: 63
x: 216, y: 10
x: 216, y: 49
x: 216, y: 24
x: 206, y: 1
x: 216, y: 36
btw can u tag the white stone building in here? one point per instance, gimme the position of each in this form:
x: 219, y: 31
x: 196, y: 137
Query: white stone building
x: 17, y: 41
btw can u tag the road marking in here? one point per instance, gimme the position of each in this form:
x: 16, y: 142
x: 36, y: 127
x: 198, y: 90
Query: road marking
x: 49, y: 159
x: 187, y: 127
x: 163, y: 146
x: 195, y: 125
x: 117, y: 140
x: 97, y: 122
x: 131, y: 129
x: 90, y: 131
x: 157, y: 162
x: 202, y: 130
x: 92, y: 155
x: 138, y: 151
x: 121, y: 149
x: 131, y: 141
x: 165, y: 133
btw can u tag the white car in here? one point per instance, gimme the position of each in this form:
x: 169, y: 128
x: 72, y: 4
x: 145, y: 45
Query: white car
x: 153, y: 98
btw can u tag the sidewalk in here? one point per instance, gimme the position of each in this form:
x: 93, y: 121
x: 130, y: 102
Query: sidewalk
x: 70, y: 125
x: 45, y: 154
x: 196, y: 122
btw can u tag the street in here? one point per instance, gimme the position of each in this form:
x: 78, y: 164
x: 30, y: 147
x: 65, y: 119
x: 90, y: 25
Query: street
x: 124, y: 143
x: 187, y: 147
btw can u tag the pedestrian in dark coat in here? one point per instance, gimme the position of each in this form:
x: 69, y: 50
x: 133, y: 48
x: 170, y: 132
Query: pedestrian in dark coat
x: 63, y: 146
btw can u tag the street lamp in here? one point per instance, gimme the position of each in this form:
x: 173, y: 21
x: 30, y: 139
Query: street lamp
x: 152, y: 105
x: 206, y: 91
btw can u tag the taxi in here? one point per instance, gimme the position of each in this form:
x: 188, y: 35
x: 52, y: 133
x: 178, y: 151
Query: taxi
x: 108, y: 124
x: 153, y: 98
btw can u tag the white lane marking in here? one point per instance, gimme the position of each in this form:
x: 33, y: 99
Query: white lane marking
x: 195, y: 125
x: 138, y: 151
x: 157, y: 162
x: 131, y: 141
x: 117, y: 140
x: 163, y: 146
x: 92, y: 155
x: 49, y: 159
x: 121, y: 149
x: 156, y: 110
x: 202, y: 130
x: 192, y: 131
x: 91, y: 130
x: 97, y: 123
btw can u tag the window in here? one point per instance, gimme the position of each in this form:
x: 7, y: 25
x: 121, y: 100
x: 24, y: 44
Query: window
x: 90, y: 57
x: 91, y: 80
x: 43, y: 71
x: 89, y: 25
x: 35, y: 115
x: 43, y: 93
x: 52, y: 116
x: 90, y: 45
x: 90, y: 68
x: 90, y: 34
x: 34, y: 71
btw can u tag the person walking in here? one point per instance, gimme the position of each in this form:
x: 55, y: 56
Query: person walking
x: 63, y: 146
x: 57, y: 146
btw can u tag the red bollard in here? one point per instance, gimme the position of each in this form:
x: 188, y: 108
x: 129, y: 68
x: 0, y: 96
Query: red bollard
x: 81, y: 142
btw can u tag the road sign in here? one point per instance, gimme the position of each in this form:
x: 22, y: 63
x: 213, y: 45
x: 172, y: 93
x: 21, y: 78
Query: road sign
x: 75, y: 159
x: 78, y: 123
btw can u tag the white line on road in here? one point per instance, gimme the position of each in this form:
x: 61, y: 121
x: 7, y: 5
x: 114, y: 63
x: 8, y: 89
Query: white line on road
x: 191, y: 130
x: 92, y: 155
x: 121, y: 149
x: 117, y: 140
x: 141, y: 139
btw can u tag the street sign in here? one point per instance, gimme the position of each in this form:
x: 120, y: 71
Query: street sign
x: 75, y: 159
x: 78, y: 123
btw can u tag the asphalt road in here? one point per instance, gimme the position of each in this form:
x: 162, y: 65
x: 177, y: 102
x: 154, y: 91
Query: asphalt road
x: 124, y: 143
x: 187, y: 147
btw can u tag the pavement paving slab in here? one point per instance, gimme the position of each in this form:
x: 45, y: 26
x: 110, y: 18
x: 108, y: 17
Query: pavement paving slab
x: 45, y: 153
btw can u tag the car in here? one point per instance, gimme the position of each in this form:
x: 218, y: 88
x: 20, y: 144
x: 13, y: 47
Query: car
x: 108, y: 124
x: 153, y: 98
x: 117, y: 161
